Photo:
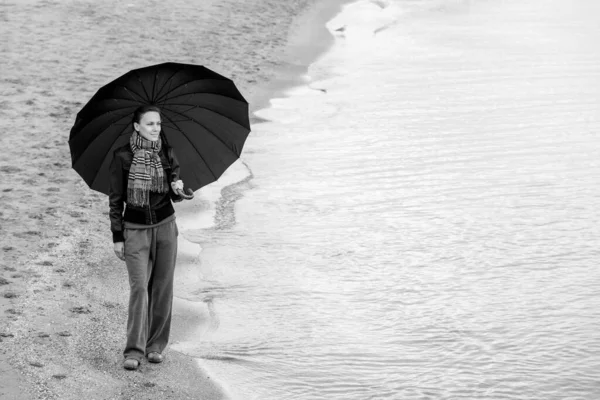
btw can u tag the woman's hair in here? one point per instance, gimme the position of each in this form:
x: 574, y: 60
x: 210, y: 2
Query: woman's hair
x: 140, y: 111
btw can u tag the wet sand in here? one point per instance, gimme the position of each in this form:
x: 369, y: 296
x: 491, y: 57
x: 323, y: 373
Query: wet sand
x: 63, y: 293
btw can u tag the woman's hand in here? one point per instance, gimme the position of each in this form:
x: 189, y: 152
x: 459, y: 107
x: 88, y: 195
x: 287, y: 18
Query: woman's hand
x: 120, y: 250
x: 177, y: 186
x: 178, y: 189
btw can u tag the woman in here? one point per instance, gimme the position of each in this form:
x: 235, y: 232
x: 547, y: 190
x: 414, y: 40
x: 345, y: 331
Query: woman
x: 144, y: 175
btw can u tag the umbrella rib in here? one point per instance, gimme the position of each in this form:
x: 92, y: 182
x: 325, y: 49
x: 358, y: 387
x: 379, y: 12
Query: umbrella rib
x: 143, y: 86
x: 208, y: 130
x: 162, y: 98
x: 203, y: 93
x: 208, y: 109
x: 112, y: 110
x: 91, y: 143
x: 165, y: 84
x: 104, y: 113
x: 192, y: 143
x: 154, y: 82
x: 128, y: 91
x: 99, y: 165
x: 124, y: 128
x: 122, y: 98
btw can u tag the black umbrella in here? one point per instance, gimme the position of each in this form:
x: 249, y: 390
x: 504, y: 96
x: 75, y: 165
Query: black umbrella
x: 204, y: 118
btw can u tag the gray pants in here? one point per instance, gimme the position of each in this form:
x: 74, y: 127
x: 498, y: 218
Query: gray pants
x: 150, y: 255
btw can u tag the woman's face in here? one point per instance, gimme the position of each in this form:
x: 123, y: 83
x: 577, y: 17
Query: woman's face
x: 149, y: 126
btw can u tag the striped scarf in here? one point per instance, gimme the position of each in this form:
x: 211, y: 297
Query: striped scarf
x: 146, y: 173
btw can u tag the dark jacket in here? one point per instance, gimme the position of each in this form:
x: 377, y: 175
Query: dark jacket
x: 160, y: 206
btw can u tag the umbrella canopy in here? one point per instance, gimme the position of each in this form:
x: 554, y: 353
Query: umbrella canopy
x: 204, y: 118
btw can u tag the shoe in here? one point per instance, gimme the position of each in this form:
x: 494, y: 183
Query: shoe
x: 131, y: 364
x: 155, y: 357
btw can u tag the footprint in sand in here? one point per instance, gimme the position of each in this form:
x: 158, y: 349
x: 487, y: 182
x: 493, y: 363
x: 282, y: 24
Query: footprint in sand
x: 81, y: 310
x: 9, y: 169
x: 45, y: 263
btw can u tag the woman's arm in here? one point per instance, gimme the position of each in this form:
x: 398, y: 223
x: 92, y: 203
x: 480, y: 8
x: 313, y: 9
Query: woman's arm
x: 115, y: 199
x: 175, y: 169
x: 174, y: 178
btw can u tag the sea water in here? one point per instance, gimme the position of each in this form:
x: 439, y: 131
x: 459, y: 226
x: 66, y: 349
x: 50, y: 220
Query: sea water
x: 420, y: 219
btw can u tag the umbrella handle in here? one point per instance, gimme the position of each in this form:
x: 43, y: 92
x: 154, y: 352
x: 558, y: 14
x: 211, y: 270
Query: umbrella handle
x: 187, y: 196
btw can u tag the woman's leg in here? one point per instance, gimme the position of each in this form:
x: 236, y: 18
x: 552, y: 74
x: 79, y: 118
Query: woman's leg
x: 138, y: 244
x: 161, y: 287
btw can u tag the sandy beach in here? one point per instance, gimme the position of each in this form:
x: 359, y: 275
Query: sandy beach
x: 63, y: 293
x: 414, y: 214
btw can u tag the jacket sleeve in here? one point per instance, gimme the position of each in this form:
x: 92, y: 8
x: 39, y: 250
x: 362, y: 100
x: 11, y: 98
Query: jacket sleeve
x: 116, y: 199
x: 175, y: 169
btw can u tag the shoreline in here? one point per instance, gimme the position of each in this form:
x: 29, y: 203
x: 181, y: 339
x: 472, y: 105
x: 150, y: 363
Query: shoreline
x: 307, y: 44
x: 64, y: 294
x: 308, y: 40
